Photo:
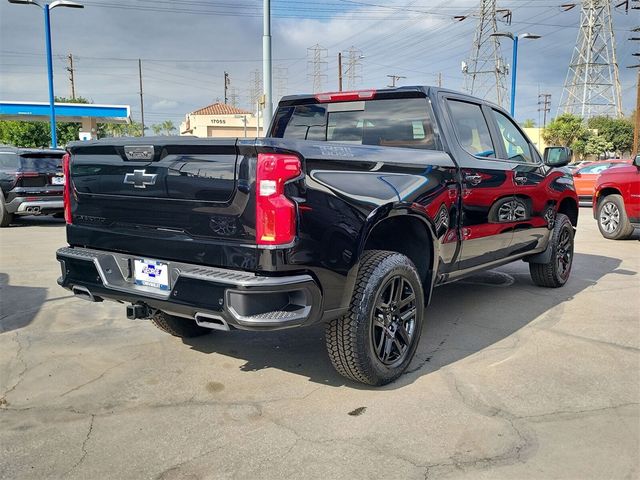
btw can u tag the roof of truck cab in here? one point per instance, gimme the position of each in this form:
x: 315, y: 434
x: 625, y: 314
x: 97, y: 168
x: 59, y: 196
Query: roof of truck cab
x: 427, y: 90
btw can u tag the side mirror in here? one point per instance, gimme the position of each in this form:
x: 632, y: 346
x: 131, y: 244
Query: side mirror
x: 636, y: 161
x: 557, y: 156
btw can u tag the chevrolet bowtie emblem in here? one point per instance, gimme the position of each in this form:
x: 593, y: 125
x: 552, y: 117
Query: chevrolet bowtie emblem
x: 140, y: 179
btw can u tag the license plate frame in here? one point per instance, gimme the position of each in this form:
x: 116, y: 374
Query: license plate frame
x: 57, y: 180
x: 152, y: 273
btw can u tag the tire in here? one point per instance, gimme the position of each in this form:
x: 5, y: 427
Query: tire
x: 555, y: 273
x: 6, y: 218
x: 371, y: 343
x: 613, y: 221
x: 178, y: 326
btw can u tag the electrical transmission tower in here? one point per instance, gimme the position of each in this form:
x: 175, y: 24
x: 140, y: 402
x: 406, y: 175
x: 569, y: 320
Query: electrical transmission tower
x: 486, y: 71
x: 592, y: 86
x: 255, y: 87
x: 317, y: 66
x: 233, y: 96
x: 353, y: 69
x: 281, y: 77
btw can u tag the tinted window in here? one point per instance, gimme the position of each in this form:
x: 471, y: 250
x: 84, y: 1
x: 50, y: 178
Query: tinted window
x: 471, y: 128
x: 390, y: 122
x: 40, y: 162
x: 515, y: 144
x: 9, y: 161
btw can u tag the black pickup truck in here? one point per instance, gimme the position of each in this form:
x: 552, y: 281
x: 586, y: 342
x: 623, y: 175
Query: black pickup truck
x: 352, y: 209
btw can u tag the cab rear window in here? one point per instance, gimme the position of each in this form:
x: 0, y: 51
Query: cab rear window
x: 35, y: 163
x: 390, y: 122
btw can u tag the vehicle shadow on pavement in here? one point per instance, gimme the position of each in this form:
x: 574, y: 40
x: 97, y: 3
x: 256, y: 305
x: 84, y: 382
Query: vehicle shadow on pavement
x: 18, y: 305
x: 464, y: 318
x: 37, y: 221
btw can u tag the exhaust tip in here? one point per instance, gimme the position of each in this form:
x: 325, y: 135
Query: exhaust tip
x: 85, y: 294
x: 213, y: 322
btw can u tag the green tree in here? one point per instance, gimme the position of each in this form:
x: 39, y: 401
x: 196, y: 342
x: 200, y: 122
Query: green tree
x: 617, y: 131
x: 564, y: 130
x: 529, y: 123
x: 165, y: 128
x: 133, y: 129
x: 597, y: 145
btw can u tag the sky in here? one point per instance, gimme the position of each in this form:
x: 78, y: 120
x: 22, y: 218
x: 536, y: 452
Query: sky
x: 187, y: 45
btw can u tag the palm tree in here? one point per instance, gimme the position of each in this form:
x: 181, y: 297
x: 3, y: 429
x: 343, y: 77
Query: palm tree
x: 168, y: 127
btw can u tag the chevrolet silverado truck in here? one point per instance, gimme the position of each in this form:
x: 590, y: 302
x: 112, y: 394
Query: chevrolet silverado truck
x: 616, y: 202
x: 350, y: 212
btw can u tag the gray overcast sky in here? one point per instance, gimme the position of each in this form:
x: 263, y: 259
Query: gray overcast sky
x: 186, y: 45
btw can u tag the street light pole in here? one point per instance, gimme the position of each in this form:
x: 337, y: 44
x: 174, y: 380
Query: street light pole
x: 514, y: 63
x: 47, y: 35
x: 52, y: 98
x: 266, y: 63
x: 514, y: 73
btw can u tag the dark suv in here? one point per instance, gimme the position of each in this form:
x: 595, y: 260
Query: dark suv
x: 31, y: 182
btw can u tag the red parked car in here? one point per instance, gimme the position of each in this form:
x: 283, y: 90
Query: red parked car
x: 584, y: 178
x: 616, y: 201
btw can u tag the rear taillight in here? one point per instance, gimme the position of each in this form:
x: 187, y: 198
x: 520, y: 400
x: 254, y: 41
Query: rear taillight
x: 275, y: 213
x: 67, y: 188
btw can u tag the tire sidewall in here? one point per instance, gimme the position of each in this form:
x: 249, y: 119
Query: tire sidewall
x: 562, y: 223
x: 621, y: 217
x: 385, y: 270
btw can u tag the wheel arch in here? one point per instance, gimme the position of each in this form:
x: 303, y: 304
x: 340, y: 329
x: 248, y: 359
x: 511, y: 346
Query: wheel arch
x: 569, y: 207
x: 409, y: 232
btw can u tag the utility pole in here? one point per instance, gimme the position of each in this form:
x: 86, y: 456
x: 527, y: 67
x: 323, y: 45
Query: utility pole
x: 592, y: 86
x: 71, y: 78
x: 141, y: 95
x: 394, y: 78
x: 439, y: 79
x: 339, y: 71
x: 485, y: 70
x: 544, y: 100
x: 227, y: 82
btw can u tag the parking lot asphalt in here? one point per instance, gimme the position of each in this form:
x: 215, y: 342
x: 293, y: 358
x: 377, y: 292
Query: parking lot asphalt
x: 509, y: 381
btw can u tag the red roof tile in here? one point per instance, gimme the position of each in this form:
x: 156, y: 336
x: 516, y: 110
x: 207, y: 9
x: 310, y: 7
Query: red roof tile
x: 220, y: 109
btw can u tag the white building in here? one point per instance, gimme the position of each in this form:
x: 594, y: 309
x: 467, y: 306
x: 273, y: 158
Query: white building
x: 220, y: 120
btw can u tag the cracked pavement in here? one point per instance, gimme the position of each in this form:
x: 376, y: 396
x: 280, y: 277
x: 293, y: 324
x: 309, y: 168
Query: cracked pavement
x: 509, y: 381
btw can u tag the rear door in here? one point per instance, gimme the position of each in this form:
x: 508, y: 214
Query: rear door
x: 487, y: 186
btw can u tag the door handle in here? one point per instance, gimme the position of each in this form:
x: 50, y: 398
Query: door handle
x: 474, y: 179
x: 520, y: 180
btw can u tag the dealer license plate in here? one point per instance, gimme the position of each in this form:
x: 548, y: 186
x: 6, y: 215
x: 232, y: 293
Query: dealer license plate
x: 151, y: 273
x: 57, y: 180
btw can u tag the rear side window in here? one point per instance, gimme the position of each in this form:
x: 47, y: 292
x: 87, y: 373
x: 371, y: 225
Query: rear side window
x: 399, y: 122
x: 9, y: 161
x: 471, y: 128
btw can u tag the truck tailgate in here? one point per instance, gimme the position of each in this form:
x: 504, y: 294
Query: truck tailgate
x: 164, y: 197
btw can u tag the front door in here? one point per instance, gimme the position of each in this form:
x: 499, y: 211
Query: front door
x: 487, y: 185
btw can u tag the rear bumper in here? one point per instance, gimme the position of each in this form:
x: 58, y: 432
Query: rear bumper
x: 35, y: 205
x: 228, y: 297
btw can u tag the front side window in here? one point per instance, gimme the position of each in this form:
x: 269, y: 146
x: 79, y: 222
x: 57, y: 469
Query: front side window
x: 515, y: 144
x: 471, y: 128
